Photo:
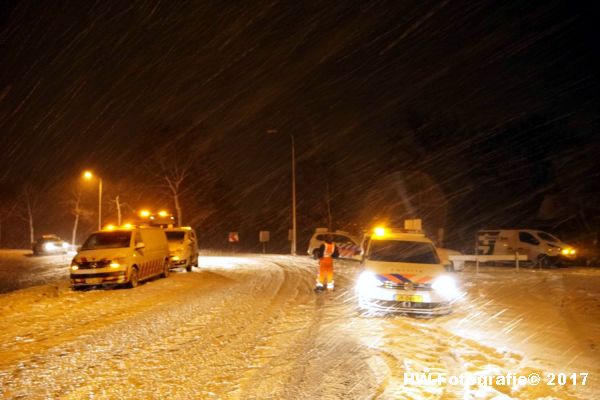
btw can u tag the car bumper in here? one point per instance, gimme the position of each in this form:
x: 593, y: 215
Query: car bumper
x: 98, y: 278
x: 179, y: 263
x: 420, y: 302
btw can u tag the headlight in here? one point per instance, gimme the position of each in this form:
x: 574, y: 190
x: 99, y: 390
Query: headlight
x: 366, y: 282
x: 117, y: 262
x: 65, y: 245
x: 445, y: 286
x: 49, y: 246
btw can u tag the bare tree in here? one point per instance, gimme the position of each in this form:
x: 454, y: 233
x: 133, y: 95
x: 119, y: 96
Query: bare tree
x: 174, y: 169
x: 118, y: 205
x: 28, y: 209
x: 76, y: 211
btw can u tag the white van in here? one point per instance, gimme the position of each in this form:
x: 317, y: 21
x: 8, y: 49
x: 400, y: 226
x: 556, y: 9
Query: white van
x: 541, y: 248
x: 125, y: 255
x: 183, y: 247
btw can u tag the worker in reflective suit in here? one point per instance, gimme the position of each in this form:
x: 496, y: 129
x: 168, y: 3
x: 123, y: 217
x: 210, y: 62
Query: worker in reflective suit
x: 327, y: 252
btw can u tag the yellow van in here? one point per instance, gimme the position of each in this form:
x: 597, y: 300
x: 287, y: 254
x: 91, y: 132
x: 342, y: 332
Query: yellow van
x: 125, y: 255
x: 401, y: 272
x: 183, y: 247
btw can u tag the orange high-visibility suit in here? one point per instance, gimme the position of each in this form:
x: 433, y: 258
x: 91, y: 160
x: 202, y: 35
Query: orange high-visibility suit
x: 327, y: 252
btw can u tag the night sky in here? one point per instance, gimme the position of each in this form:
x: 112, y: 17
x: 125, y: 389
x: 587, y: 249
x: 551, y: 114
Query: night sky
x: 468, y: 114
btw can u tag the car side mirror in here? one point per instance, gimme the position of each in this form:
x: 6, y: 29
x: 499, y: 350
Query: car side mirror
x: 139, y: 245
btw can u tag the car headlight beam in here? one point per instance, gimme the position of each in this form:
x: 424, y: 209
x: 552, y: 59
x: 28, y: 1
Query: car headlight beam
x: 446, y: 286
x: 49, y: 246
x: 367, y: 281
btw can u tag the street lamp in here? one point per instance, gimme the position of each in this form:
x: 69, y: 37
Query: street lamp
x: 88, y: 176
x: 293, y: 249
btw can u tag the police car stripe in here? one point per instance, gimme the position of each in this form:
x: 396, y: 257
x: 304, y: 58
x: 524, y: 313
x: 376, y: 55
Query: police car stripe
x: 397, y: 278
x: 424, y: 279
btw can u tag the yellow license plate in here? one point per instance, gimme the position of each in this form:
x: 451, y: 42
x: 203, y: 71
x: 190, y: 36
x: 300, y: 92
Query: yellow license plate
x: 93, y: 281
x: 409, y: 297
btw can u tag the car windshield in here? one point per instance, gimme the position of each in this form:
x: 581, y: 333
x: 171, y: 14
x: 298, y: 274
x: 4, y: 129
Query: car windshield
x: 175, y: 236
x: 403, y: 251
x: 336, y: 238
x: 548, y: 237
x: 106, y: 240
x: 45, y: 239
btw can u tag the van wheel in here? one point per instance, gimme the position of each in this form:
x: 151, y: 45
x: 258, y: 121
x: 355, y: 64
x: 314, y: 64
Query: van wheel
x: 166, y: 270
x: 134, y: 279
x: 542, y: 261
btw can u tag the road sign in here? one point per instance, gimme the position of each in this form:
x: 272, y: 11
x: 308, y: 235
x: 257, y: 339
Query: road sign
x: 233, y: 237
x: 264, y: 236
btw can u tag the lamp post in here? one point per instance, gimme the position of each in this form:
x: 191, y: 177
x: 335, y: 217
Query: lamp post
x: 88, y: 176
x: 293, y: 249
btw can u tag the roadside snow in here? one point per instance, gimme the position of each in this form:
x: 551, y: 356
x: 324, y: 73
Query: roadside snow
x: 249, y: 326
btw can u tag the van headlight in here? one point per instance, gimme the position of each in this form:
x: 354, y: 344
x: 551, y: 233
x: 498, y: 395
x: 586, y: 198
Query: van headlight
x: 446, y: 286
x: 367, y: 281
x: 569, y: 251
x: 117, y: 263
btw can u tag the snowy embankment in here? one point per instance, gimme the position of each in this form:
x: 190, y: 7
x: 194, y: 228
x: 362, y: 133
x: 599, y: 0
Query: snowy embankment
x: 251, y: 327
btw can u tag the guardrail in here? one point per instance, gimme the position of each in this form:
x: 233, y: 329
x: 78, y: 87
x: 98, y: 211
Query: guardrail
x: 477, y: 258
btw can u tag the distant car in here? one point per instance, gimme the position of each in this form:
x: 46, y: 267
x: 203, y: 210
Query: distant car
x: 50, y: 244
x: 183, y: 247
x: 348, y: 246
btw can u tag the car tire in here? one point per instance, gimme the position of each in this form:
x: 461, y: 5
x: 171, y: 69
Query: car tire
x: 542, y: 261
x: 133, y: 279
x: 188, y: 268
x: 315, y: 254
x: 166, y: 269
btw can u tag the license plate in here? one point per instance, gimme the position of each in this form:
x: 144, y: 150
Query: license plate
x: 410, y: 298
x: 93, y: 281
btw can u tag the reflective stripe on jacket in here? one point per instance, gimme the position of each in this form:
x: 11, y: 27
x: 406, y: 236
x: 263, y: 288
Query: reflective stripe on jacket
x: 328, y: 250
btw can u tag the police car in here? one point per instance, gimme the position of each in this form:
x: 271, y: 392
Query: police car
x: 348, y: 246
x: 401, y: 272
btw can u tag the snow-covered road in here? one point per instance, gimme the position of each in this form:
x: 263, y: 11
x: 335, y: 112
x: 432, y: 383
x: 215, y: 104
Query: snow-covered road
x: 20, y: 269
x: 251, y: 327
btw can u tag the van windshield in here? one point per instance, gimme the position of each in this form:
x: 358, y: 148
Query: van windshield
x: 546, y: 236
x: 107, y: 240
x: 175, y: 236
x: 403, y: 251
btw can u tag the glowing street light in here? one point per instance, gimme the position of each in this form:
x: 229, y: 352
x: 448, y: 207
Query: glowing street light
x: 88, y: 176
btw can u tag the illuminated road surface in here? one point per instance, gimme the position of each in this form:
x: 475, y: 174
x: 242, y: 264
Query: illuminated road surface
x: 251, y: 327
x: 20, y: 269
